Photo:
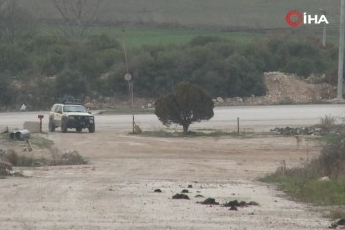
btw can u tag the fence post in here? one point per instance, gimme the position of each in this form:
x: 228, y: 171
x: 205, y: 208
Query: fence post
x: 238, y: 125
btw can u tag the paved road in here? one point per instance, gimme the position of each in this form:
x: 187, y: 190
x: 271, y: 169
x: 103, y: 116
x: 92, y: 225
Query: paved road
x: 257, y: 118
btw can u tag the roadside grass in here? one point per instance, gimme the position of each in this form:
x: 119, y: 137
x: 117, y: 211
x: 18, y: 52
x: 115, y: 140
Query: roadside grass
x: 319, y: 181
x: 36, y: 141
x: 335, y: 213
x: 323, y: 193
x: 127, y: 110
x: 57, y: 158
x: 191, y: 134
x: 41, y: 142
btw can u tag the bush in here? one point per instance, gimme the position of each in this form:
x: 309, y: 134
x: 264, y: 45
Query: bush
x: 187, y: 104
x: 7, y: 92
x: 71, y: 82
x: 69, y: 158
x: 327, y: 122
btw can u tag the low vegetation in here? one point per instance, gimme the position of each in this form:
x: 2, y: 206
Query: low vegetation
x: 42, y: 69
x: 319, y: 181
x: 191, y: 134
x: 57, y: 158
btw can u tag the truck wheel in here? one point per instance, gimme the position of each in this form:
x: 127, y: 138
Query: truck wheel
x: 51, y: 126
x: 64, y: 127
x: 92, y: 128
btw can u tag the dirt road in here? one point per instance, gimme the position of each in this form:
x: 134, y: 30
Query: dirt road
x: 115, y: 191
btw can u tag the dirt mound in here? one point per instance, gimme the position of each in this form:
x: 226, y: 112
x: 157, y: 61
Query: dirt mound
x: 285, y: 89
x: 289, y: 88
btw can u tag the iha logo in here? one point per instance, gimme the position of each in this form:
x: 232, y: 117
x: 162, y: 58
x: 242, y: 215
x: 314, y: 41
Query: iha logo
x: 295, y: 18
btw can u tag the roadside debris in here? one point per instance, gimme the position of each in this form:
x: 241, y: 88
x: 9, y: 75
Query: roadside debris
x: 180, y: 196
x: 21, y: 135
x: 5, y: 130
x: 336, y: 223
x: 235, y: 204
x: 4, y: 167
x: 210, y: 201
x: 290, y: 131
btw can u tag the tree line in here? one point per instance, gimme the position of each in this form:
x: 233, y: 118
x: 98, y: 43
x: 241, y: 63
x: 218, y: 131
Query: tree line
x: 41, y: 69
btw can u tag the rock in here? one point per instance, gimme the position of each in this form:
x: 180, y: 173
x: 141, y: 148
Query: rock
x: 199, y: 196
x: 210, y: 201
x: 5, y: 166
x: 231, y: 203
x: 220, y: 100
x: 5, y: 130
x: 253, y: 203
x: 137, y: 129
x: 190, y: 186
x: 340, y: 221
x: 185, y: 191
x: 180, y: 196
x: 233, y: 208
x: 325, y: 178
x: 149, y: 105
x: 157, y: 191
x: 90, y: 105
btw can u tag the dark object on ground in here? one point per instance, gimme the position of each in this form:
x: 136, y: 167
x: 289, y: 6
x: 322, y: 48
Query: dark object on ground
x: 233, y: 208
x: 4, y: 166
x: 158, y: 190
x: 210, y: 201
x: 199, y: 196
x: 253, y: 203
x: 190, y: 186
x: 336, y: 223
x: 180, y: 196
x: 20, y: 135
x: 235, y: 203
x: 340, y: 221
x: 291, y: 131
x: 185, y: 191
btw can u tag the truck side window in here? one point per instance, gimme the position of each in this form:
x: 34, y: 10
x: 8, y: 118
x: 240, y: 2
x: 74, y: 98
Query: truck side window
x: 59, y: 109
x: 53, y: 108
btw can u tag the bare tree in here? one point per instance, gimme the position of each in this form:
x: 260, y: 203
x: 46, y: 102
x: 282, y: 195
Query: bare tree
x: 15, y: 21
x: 78, y: 15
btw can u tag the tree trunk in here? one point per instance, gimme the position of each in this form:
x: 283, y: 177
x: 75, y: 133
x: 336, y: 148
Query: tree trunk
x: 185, y: 128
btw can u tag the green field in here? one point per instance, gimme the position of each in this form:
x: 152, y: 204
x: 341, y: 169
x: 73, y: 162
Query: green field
x: 196, y: 13
x: 156, y: 22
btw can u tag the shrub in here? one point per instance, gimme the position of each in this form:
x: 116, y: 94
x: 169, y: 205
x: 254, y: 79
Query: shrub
x: 71, y: 82
x: 327, y: 122
x: 187, y: 104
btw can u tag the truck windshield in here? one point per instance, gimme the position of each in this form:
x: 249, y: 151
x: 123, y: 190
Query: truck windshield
x: 74, y: 108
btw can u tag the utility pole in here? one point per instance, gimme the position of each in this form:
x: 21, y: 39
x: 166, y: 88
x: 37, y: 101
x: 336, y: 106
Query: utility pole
x: 324, y: 29
x: 341, y: 51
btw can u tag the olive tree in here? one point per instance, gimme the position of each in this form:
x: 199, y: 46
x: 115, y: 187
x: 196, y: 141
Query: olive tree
x: 187, y: 104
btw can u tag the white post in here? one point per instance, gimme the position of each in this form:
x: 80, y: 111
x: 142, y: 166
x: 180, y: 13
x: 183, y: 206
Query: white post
x: 341, y: 51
